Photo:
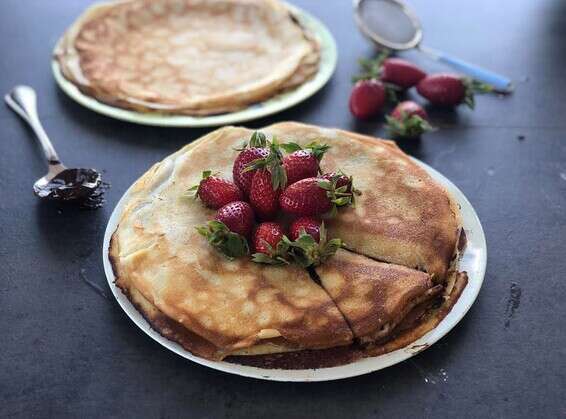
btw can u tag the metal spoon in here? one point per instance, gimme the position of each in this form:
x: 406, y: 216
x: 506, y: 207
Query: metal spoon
x: 59, y: 183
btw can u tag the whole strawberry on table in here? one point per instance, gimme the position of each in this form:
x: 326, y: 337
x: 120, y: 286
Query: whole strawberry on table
x: 273, y: 181
x: 383, y: 78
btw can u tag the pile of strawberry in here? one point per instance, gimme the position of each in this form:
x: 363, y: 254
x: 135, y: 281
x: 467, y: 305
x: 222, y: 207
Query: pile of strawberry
x: 384, y: 78
x: 267, y: 187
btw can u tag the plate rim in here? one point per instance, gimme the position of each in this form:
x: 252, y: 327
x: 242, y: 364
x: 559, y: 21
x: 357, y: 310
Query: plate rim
x: 470, y: 220
x: 276, y: 104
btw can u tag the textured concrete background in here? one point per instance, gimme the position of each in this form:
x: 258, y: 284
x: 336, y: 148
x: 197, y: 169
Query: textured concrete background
x: 68, y: 350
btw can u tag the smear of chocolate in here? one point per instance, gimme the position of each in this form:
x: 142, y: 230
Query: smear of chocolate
x: 74, y: 185
x: 96, y: 199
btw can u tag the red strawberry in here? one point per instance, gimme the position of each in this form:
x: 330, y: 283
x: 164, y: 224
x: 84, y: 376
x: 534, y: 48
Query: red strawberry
x: 401, y: 72
x: 443, y: 89
x: 409, y: 108
x: 367, y: 98
x: 216, y: 191
x: 238, y: 216
x: 263, y: 197
x: 299, y: 165
x: 305, y: 197
x: 302, y: 163
x: 271, y: 245
x: 313, y: 196
x: 227, y: 232
x: 246, y: 156
x: 257, y: 150
x: 267, y: 236
x: 408, y: 120
x: 446, y: 89
x: 310, y: 225
x: 342, y: 180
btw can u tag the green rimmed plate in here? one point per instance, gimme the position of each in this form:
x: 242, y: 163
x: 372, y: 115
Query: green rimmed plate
x: 328, y: 59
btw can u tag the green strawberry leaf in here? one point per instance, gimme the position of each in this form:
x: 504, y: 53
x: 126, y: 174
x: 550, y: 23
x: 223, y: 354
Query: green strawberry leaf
x: 469, y: 99
x: 479, y: 87
x: 371, y: 68
x: 230, y: 244
x: 324, y: 184
x: 290, y: 147
x: 263, y: 258
x: 278, y: 256
x: 340, y: 202
x: 317, y: 149
x: 306, y: 252
x: 392, y: 92
x: 339, y: 196
x: 472, y: 87
x: 258, y: 140
x: 192, y: 192
x: 409, y: 126
x: 273, y: 163
x: 278, y: 177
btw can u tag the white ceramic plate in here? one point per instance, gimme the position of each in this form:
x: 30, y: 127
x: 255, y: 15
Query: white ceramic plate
x: 473, y: 262
x: 328, y: 59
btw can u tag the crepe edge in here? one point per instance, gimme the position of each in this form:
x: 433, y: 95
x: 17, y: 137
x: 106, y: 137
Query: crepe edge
x: 282, y: 357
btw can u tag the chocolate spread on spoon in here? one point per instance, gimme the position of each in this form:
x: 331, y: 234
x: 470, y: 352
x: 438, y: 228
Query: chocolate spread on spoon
x: 82, y: 186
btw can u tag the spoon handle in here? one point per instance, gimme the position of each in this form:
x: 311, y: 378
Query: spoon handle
x: 23, y: 101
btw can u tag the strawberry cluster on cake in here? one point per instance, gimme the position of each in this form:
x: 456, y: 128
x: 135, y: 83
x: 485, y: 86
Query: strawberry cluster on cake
x: 275, y: 205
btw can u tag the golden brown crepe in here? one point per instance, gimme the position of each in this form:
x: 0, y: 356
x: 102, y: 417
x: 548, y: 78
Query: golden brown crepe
x: 189, y: 57
x: 216, y: 308
x: 374, y: 297
x: 416, y: 324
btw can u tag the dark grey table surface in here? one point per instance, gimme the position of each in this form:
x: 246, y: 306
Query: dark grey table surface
x: 69, y: 351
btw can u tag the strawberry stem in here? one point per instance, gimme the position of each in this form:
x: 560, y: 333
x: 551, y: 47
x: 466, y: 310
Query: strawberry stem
x: 371, y: 67
x: 339, y: 196
x: 277, y: 256
x: 472, y: 87
x: 230, y: 244
x: 408, y: 126
x: 306, y: 251
x: 257, y: 140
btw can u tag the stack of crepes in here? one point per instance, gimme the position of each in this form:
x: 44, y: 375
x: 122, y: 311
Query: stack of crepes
x: 396, y: 279
x: 190, y: 57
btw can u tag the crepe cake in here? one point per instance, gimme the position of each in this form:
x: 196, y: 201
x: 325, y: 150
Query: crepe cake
x: 369, y: 307
x: 190, y: 57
